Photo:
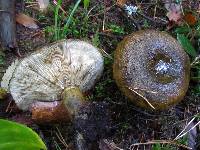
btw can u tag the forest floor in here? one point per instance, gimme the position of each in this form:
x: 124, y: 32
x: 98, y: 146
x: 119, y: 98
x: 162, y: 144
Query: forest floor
x: 105, y: 24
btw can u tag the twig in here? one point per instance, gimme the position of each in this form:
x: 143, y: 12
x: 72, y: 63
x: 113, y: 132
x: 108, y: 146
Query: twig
x: 155, y: 10
x: 100, y: 13
x: 31, y: 5
x: 106, y: 54
x: 184, y: 131
x: 150, y: 19
x: 60, y: 137
x: 160, y: 142
x: 111, y: 35
x: 184, y: 128
x: 31, y: 2
x: 112, y: 145
x: 91, y: 10
x: 104, y: 19
x: 196, y: 61
x: 142, y: 97
x: 148, y: 91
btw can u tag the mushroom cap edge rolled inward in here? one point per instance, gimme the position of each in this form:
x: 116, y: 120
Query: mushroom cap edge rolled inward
x: 44, y: 75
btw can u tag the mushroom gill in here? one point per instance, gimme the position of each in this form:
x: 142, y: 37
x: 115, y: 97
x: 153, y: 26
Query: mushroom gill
x: 62, y: 71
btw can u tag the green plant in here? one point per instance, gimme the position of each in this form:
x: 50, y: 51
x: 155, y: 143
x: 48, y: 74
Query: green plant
x: 15, y: 136
x: 189, y: 38
x: 116, y: 29
x: 95, y: 39
x: 162, y: 145
x: 171, y: 145
x: 75, y: 24
x: 61, y: 24
x: 187, y: 45
x: 86, y: 3
x: 159, y: 146
x: 2, y: 58
x: 70, y: 17
x: 57, y: 21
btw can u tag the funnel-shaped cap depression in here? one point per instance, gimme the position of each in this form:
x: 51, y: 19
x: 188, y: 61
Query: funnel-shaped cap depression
x: 151, y: 68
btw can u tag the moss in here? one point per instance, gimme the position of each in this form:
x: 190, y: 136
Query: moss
x: 3, y: 93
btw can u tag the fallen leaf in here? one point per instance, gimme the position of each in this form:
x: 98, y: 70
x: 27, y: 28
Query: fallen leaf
x: 43, y: 4
x: 121, y: 3
x: 190, y: 19
x: 26, y: 21
x: 174, y: 11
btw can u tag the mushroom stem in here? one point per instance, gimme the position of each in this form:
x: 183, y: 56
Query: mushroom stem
x: 73, y: 99
x: 58, y: 111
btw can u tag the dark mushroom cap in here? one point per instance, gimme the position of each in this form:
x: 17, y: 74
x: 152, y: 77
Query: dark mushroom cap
x: 151, y: 65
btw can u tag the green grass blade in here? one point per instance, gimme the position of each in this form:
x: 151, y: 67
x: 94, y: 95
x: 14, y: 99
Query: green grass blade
x: 56, y: 19
x: 70, y: 17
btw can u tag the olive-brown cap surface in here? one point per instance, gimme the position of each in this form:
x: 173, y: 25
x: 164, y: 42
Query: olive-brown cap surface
x: 152, y: 69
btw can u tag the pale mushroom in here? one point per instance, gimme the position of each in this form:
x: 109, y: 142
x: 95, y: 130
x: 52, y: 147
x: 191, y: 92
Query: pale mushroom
x: 62, y: 71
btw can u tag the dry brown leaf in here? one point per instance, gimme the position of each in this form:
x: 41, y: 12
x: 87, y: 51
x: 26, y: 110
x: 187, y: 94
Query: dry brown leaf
x: 26, y: 21
x: 121, y: 3
x: 174, y: 11
x: 43, y: 4
x: 190, y: 19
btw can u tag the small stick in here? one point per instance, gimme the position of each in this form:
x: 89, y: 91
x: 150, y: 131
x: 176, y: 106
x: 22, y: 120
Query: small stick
x: 142, y: 97
x: 31, y: 5
x: 153, y: 92
x: 196, y: 61
x: 106, y: 54
x: 160, y: 142
x: 60, y: 137
x: 150, y: 19
x: 112, y: 145
x: 104, y: 19
x: 155, y: 9
x: 183, y: 132
x: 184, y: 128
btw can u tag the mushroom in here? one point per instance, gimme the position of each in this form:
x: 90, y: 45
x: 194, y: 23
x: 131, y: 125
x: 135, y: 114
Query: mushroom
x: 151, y: 69
x: 64, y: 71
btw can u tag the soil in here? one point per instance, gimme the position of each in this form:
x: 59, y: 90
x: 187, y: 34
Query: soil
x: 118, y: 120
